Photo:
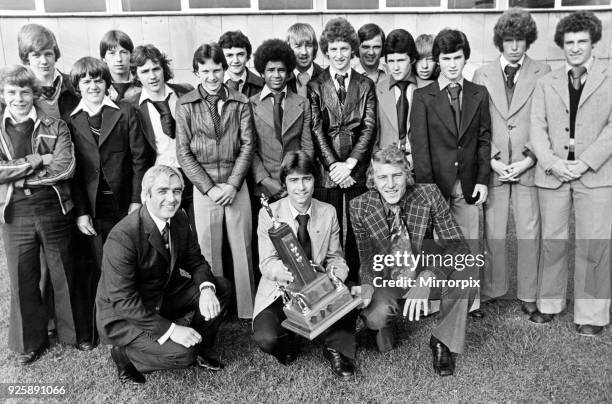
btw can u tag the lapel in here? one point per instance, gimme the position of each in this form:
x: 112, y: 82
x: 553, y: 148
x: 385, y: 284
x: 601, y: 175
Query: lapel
x: 174, y: 242
x: 329, y: 95
x: 442, y: 108
x: 496, y: 84
x: 386, y: 98
x: 524, y: 86
x: 316, y: 226
x: 559, y: 84
x: 147, y: 126
x: 153, y: 234
x: 264, y: 111
x: 110, y: 117
x: 352, y: 95
x: 293, y: 110
x: 80, y: 122
x: 594, y: 79
x: 468, y: 106
x: 375, y: 217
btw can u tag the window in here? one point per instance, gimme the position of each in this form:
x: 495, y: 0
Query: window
x: 17, y: 5
x: 285, y: 4
x: 151, y: 5
x: 70, y: 6
x: 413, y: 3
x: 219, y: 3
x: 532, y: 3
x: 454, y: 4
x: 573, y: 3
x: 352, y: 4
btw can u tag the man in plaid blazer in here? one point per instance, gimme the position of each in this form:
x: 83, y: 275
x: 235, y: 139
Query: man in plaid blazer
x: 395, y: 215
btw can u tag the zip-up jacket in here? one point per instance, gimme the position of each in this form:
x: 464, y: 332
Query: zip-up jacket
x: 50, y: 136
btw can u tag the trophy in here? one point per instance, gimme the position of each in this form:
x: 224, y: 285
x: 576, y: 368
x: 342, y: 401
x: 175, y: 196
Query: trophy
x: 314, y: 300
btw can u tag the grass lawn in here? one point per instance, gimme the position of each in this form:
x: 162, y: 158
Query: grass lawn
x: 508, y: 359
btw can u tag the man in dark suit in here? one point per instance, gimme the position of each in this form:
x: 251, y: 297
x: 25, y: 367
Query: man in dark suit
x: 394, y: 217
x: 142, y: 292
x: 343, y: 104
x: 237, y: 50
x: 303, y: 40
x: 156, y: 107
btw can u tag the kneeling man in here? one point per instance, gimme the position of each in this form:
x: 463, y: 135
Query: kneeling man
x: 316, y: 226
x: 397, y: 214
x: 142, y: 292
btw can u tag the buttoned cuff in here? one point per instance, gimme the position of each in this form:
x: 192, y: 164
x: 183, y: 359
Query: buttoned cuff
x: 167, y: 335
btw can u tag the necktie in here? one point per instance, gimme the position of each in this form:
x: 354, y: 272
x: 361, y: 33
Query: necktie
x: 165, y: 233
x: 278, y: 116
x: 165, y: 116
x: 454, y: 92
x: 341, y: 88
x: 49, y: 91
x: 303, y: 79
x: 400, y: 241
x: 303, y: 236
x: 95, y: 124
x: 402, y: 110
x: 212, y: 100
x: 120, y: 88
x: 510, y: 73
x: 234, y: 84
x: 575, y: 74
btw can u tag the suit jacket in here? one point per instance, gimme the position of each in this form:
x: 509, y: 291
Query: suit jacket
x: 121, y: 152
x: 423, y: 206
x: 295, y: 135
x: 292, y: 80
x: 329, y: 121
x: 252, y: 85
x: 593, y: 136
x: 137, y: 272
x: 143, y: 111
x: 510, y: 123
x: 442, y: 154
x: 325, y: 242
x: 388, y: 131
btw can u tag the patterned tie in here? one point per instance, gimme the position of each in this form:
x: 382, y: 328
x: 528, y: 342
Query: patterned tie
x: 400, y: 241
x: 234, y: 84
x: 510, y: 73
x: 575, y: 75
x: 212, y: 100
x: 165, y: 234
x: 278, y: 115
x: 303, y: 79
x: 49, y: 91
x: 454, y: 92
x: 303, y: 236
x: 341, y: 88
x: 402, y: 110
x: 165, y: 116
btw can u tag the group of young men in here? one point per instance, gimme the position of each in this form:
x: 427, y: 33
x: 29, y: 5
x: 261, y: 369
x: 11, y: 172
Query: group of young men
x: 378, y: 159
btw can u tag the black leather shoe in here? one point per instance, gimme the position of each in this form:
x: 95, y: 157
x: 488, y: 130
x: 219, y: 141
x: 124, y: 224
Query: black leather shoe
x: 52, y: 334
x: 208, y: 363
x: 541, y: 318
x: 286, y: 358
x: 125, y: 369
x: 443, y: 361
x: 85, y: 346
x: 29, y: 357
x: 589, y: 330
x: 529, y: 307
x: 476, y: 313
x: 342, y: 366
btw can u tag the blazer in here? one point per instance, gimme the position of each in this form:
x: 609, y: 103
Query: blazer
x: 143, y: 111
x: 440, y: 154
x: 292, y: 80
x: 121, y: 152
x: 388, y: 131
x: 593, y: 135
x: 137, y: 273
x: 252, y: 85
x: 510, y: 123
x: 329, y: 121
x: 423, y: 206
x: 325, y: 242
x: 269, y: 152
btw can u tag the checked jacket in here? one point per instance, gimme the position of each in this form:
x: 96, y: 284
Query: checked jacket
x: 423, y: 206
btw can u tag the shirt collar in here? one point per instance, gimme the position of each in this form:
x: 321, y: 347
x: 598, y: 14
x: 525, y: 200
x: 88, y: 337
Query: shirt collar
x: 158, y: 222
x: 144, y: 94
x: 333, y: 73
x: 295, y: 212
x: 309, y: 71
x: 227, y: 76
x: 266, y: 92
x: 443, y: 82
x: 84, y: 107
x: 7, y: 115
x: 588, y: 64
x: 410, y: 79
x: 504, y: 62
x: 359, y: 68
x: 222, y: 93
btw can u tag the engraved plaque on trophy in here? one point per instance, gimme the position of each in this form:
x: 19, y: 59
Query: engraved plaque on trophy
x: 314, y: 300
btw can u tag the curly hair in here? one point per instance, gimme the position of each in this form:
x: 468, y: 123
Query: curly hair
x: 390, y: 154
x: 579, y: 21
x: 515, y: 23
x: 235, y: 39
x: 143, y: 53
x: 450, y: 41
x: 339, y: 29
x: 20, y: 76
x: 301, y: 32
x: 274, y: 50
x: 35, y: 38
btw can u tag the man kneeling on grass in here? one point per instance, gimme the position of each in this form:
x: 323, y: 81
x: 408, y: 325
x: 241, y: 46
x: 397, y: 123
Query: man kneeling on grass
x: 142, y: 293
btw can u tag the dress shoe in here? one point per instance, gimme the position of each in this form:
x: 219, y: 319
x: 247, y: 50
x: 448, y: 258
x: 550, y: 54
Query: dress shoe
x: 529, y: 308
x: 85, y: 346
x: 477, y: 314
x: 209, y: 363
x: 443, y: 361
x: 29, y: 357
x: 286, y: 358
x: 541, y: 318
x: 342, y: 366
x: 126, y: 370
x: 52, y: 334
x: 589, y: 330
